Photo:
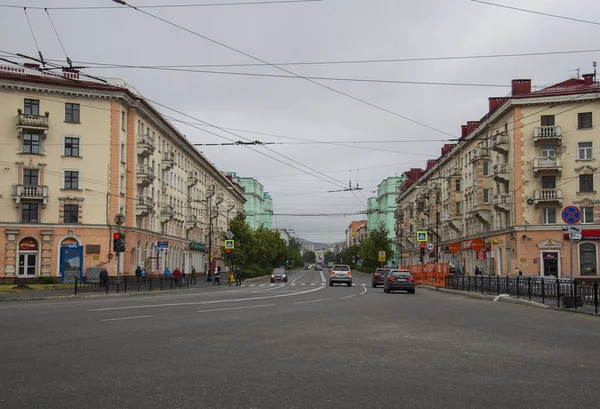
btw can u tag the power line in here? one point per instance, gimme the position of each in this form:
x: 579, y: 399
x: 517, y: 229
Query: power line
x: 537, y: 12
x: 283, y: 69
x: 238, y: 3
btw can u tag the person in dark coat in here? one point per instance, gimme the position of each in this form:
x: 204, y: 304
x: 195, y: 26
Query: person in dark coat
x: 103, y: 277
x: 238, y: 276
x: 477, y: 271
x: 138, y: 272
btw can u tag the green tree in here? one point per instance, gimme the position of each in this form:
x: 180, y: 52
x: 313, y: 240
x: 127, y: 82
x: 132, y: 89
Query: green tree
x: 375, y: 242
x: 329, y: 257
x: 309, y: 256
x: 244, y: 240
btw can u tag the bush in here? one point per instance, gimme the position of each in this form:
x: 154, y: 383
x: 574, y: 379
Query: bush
x: 49, y: 280
x: 254, y: 270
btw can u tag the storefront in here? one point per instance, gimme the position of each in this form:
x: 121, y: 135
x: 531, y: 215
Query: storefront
x: 29, y: 258
x: 587, y: 252
x: 196, y: 257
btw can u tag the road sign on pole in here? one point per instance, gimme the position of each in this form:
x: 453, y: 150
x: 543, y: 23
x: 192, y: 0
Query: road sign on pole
x: 382, y: 256
x: 571, y: 228
x: 430, y: 246
x: 575, y: 236
x: 421, y: 236
x: 571, y: 214
x: 229, y: 244
x: 229, y: 234
x: 480, y: 256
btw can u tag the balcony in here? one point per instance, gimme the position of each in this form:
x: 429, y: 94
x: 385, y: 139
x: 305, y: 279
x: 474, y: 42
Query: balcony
x: 144, y: 175
x: 144, y: 206
x: 454, y: 173
x: 167, y: 214
x: 502, y: 201
x: 551, y: 164
x: 192, y: 178
x: 30, y: 192
x: 37, y: 123
x: 168, y: 160
x: 482, y: 212
x: 500, y: 142
x: 146, y: 144
x: 501, y: 172
x: 479, y: 153
x: 548, y: 196
x: 190, y: 221
x: 452, y: 220
x: 546, y: 133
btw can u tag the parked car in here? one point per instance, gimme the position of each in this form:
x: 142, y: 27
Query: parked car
x: 379, y: 277
x: 279, y: 274
x: 399, y: 280
x: 340, y: 273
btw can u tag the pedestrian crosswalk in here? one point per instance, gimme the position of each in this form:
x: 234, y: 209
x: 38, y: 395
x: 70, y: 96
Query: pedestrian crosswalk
x: 286, y: 284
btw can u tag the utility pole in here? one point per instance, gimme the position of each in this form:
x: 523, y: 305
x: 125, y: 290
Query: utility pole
x: 210, y: 261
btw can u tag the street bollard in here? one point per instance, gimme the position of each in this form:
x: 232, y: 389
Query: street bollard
x: 518, y: 288
x: 497, y: 285
x: 75, y: 286
x: 469, y: 279
x: 575, y: 293
x: 596, y: 296
x: 558, y: 292
x: 543, y: 292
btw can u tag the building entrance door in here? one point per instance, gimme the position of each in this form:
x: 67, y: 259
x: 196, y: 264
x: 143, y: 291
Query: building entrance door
x: 550, y: 263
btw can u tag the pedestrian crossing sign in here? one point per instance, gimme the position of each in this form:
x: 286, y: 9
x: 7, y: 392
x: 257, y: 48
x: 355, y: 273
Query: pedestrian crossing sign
x: 229, y: 244
x: 421, y: 236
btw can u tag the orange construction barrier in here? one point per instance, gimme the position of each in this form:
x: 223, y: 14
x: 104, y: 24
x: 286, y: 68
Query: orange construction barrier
x: 431, y: 273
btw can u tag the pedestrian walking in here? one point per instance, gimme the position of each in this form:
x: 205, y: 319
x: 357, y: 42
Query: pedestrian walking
x: 103, y: 277
x: 144, y: 274
x: 193, y: 278
x: 138, y: 272
x: 518, y: 272
x: 477, y: 271
x: 238, y: 276
x: 177, y: 276
x: 217, y: 276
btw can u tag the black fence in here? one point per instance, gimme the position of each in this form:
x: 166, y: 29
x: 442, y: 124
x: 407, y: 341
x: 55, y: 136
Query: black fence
x: 547, y: 290
x: 131, y: 284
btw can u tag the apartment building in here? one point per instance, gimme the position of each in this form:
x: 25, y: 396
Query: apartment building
x: 380, y: 209
x: 78, y: 152
x: 259, y: 204
x: 494, y: 199
x: 356, y: 233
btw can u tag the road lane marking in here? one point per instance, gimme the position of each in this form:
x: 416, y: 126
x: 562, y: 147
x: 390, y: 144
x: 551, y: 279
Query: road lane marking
x: 322, y: 276
x: 238, y: 308
x: 261, y: 285
x: 365, y: 287
x: 131, y: 307
x: 268, y: 289
x: 126, y: 318
x: 311, y: 301
x: 296, y: 279
x: 347, y: 296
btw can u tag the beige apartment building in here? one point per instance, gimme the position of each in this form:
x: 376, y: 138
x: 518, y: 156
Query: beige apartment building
x: 494, y: 199
x: 77, y: 152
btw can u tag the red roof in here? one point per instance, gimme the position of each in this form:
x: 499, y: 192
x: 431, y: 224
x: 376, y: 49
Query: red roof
x: 569, y: 87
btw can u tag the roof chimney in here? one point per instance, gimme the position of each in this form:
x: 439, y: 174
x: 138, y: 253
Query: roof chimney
x: 31, y: 66
x: 471, y: 126
x: 589, y: 79
x: 521, y: 87
x: 496, y: 102
x: 463, y: 131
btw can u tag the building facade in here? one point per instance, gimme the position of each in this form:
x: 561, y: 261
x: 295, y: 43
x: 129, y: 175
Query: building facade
x: 380, y: 211
x: 77, y: 153
x: 259, y: 204
x: 356, y: 233
x: 494, y: 199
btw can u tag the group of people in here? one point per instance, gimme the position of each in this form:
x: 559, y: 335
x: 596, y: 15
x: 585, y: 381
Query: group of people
x: 237, y: 274
x: 178, y: 277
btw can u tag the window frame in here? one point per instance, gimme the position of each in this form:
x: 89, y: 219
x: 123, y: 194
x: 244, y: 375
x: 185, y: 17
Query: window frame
x: 584, y: 218
x: 546, y: 213
x: 486, y: 168
x: 546, y: 118
x: 123, y: 153
x: 28, y: 137
x: 585, y: 150
x: 546, y: 149
x: 37, y: 176
x: 72, y: 113
x: 78, y: 180
x: 585, y: 120
x: 457, y: 185
x: 78, y: 148
x: 73, y: 211
x: 31, y: 105
x: 587, y: 244
x: 589, y: 185
x: 486, y: 195
x: 546, y: 178
x: 26, y: 209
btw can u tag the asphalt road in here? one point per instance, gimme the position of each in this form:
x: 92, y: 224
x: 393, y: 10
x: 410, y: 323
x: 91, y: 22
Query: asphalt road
x: 300, y: 344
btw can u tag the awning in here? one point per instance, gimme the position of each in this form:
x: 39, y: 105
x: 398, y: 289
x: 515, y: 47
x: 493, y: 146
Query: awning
x: 592, y: 234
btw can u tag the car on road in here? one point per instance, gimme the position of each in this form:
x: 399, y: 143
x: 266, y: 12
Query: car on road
x: 318, y: 267
x: 379, y: 277
x: 279, y: 274
x: 400, y: 280
x: 340, y: 273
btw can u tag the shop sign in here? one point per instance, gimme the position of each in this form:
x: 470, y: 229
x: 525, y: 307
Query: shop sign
x: 466, y: 244
x: 195, y: 246
x: 28, y: 244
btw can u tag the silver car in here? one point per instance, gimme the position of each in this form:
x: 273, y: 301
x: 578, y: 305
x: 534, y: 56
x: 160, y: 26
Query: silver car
x: 340, y: 273
x: 279, y: 274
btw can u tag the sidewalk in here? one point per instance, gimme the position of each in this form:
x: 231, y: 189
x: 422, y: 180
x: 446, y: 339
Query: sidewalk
x: 69, y: 293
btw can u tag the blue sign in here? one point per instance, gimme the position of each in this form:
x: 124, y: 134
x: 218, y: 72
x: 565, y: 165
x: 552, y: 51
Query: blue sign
x: 571, y: 214
x: 421, y: 236
x: 163, y: 244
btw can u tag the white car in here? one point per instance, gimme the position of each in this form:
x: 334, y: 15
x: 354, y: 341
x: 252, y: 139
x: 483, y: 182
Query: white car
x: 340, y: 273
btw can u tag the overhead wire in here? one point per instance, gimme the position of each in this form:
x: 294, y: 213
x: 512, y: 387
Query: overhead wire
x: 156, y: 6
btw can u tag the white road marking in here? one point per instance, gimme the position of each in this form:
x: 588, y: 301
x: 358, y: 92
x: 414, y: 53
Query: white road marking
x: 261, y: 285
x: 298, y: 278
x: 311, y: 301
x: 347, y: 296
x: 322, y: 276
x: 312, y: 283
x: 292, y: 284
x: 126, y: 318
x: 268, y: 289
x: 207, y: 302
x: 238, y: 308
x: 252, y: 285
x: 365, y: 287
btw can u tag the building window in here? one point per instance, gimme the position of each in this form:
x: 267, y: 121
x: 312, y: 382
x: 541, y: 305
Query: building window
x: 457, y: 207
x: 122, y: 189
x: 548, y: 150
x: 584, y: 151
x: 71, y: 213
x: 122, y: 153
x: 71, y: 179
x: 123, y: 121
x: 30, y: 177
x: 32, y: 107
x: 547, y: 120
x: 31, y: 143
x: 486, y: 196
x: 549, y: 215
x: 584, y: 120
x: 72, y: 147
x: 586, y: 183
x: 457, y: 185
x: 548, y: 182
x: 29, y: 212
x: 486, y: 168
x: 72, y: 113
x: 587, y: 215
x: 587, y: 259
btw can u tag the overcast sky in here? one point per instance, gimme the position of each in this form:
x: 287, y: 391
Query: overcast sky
x: 330, y: 30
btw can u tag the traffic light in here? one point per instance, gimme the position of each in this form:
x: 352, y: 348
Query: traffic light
x: 422, y: 252
x: 229, y: 254
x: 118, y: 242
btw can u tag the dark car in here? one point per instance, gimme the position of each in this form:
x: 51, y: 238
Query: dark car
x: 400, y: 280
x: 379, y: 276
x: 279, y: 274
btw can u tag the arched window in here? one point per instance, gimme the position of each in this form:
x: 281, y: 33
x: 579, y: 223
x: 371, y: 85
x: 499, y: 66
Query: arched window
x: 588, y: 259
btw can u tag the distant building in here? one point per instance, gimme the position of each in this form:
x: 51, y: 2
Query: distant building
x: 259, y: 204
x: 356, y: 233
x: 380, y: 211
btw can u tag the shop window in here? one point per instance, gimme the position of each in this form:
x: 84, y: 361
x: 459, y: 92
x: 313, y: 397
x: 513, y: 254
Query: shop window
x: 28, y: 257
x: 587, y: 259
